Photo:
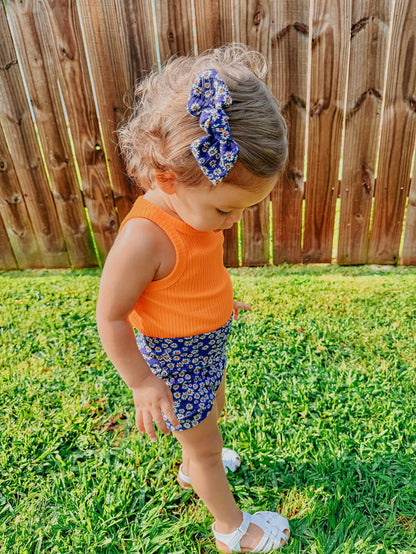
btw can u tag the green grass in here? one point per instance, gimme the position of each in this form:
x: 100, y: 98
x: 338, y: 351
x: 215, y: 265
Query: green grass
x: 321, y: 405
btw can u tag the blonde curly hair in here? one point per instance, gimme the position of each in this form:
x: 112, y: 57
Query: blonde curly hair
x: 159, y: 131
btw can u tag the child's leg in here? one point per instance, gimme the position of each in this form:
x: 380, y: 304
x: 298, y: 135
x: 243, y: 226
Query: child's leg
x: 202, y: 446
x: 219, y: 405
x: 232, y: 460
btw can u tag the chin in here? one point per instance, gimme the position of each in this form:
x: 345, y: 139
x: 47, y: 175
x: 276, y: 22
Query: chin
x: 201, y: 228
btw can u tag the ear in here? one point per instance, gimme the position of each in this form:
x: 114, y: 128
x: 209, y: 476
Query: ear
x: 165, y: 181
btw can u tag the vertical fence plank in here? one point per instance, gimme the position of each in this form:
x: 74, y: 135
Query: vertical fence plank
x: 252, y: 24
x: 38, y: 36
x: 138, y: 54
x: 213, y: 20
x: 409, y: 243
x: 7, y: 232
x: 24, y: 150
x: 288, y: 82
x: 105, y: 46
x: 252, y: 27
x: 18, y: 227
x: 231, y: 247
x: 174, y: 28
x: 397, y: 138
x: 7, y: 259
x: 255, y: 227
x: 368, y: 55
x: 70, y: 64
x: 137, y: 38
x: 72, y: 71
x: 330, y: 41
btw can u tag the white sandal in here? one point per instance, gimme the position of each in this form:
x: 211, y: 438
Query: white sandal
x: 230, y: 460
x: 273, y: 525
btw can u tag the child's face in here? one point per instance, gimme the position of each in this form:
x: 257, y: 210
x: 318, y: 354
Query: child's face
x: 214, y: 208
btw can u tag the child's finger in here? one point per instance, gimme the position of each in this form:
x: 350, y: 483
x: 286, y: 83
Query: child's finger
x: 237, y: 306
x: 242, y: 306
x: 139, y: 421
x: 170, y: 414
x: 148, y: 425
x: 160, y: 422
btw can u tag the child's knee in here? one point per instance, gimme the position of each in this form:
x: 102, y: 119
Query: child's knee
x: 203, y: 440
x: 208, y: 447
x: 214, y: 445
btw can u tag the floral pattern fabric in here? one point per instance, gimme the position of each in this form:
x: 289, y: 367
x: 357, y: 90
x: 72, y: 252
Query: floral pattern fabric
x: 216, y: 152
x: 192, y: 367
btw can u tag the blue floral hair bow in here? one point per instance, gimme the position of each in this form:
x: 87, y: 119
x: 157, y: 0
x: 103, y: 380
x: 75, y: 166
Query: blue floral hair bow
x: 217, y: 152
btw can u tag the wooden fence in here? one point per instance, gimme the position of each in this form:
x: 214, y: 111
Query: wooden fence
x: 343, y: 70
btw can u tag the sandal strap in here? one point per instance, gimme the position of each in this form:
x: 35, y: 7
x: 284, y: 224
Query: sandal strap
x: 273, y: 525
x: 184, y: 477
x: 232, y: 540
x: 230, y: 459
x: 270, y: 541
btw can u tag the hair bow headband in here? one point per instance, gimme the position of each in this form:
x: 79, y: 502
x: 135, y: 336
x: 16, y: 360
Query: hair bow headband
x: 217, y: 152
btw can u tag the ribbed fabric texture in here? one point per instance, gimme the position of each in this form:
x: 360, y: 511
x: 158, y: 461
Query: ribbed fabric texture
x: 197, y: 297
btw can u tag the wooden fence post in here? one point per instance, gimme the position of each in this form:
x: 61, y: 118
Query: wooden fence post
x: 288, y: 81
x: 397, y: 138
x: 330, y: 42
x: 368, y: 55
x: 24, y: 150
x: 213, y: 21
x: 174, y: 28
x: 409, y: 244
x: 19, y: 246
x: 252, y: 27
x: 7, y: 259
x: 42, y: 35
x: 114, y: 59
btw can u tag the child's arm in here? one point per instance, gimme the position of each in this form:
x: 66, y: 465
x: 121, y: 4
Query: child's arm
x: 131, y: 265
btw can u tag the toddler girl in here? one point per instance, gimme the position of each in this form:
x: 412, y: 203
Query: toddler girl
x: 206, y: 141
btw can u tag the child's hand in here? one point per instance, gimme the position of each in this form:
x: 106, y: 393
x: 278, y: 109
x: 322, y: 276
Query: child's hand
x: 150, y: 399
x: 237, y: 306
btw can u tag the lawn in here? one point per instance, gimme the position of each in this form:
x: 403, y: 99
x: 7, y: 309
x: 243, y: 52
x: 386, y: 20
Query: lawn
x: 321, y: 405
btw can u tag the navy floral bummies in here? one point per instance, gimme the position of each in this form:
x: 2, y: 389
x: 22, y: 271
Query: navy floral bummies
x: 192, y: 367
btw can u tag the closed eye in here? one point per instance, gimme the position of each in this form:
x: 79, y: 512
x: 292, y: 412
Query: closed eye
x: 222, y: 213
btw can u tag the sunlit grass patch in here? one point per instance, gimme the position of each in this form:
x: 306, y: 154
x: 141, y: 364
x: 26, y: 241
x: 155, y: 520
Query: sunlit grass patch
x: 320, y: 405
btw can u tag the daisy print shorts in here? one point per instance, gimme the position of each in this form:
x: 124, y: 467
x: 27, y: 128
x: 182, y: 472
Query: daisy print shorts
x: 192, y: 367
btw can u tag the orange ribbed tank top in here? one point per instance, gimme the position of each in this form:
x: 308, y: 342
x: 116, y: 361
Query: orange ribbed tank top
x: 197, y: 296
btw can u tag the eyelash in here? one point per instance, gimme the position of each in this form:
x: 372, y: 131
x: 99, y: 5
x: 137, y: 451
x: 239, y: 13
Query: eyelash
x: 222, y: 213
